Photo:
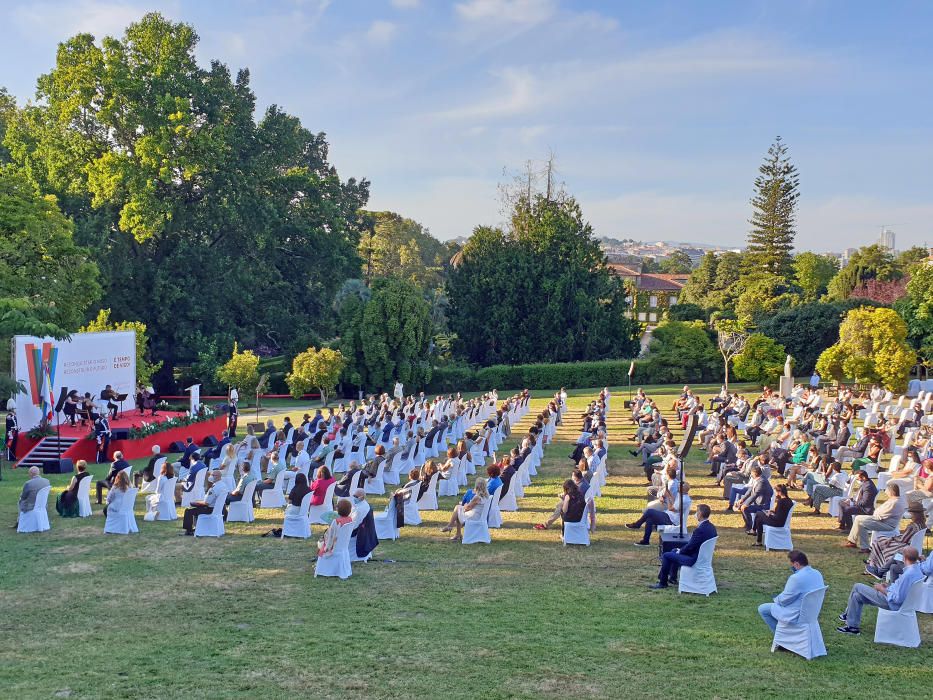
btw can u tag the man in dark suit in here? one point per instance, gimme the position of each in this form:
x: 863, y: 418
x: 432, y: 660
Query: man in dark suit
x: 118, y: 465
x: 190, y: 449
x: 724, y: 455
x: 218, y: 451
x: 757, y: 498
x: 267, y: 440
x: 686, y: 555
x: 864, y: 503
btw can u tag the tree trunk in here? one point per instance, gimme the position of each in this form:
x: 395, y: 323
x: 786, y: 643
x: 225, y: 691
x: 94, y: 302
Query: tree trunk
x: 727, y: 374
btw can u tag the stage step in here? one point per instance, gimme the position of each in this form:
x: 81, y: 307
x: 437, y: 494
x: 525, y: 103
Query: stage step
x: 45, y: 449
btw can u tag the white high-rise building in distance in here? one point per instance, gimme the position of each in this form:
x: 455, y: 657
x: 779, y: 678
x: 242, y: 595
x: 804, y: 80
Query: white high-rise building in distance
x: 887, y: 239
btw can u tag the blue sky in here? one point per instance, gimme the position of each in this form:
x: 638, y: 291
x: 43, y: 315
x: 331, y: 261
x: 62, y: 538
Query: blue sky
x: 658, y: 112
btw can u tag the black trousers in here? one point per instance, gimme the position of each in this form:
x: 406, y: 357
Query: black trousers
x: 191, y: 516
x: 101, y: 485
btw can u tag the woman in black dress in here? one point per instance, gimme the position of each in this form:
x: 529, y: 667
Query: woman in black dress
x: 67, y: 503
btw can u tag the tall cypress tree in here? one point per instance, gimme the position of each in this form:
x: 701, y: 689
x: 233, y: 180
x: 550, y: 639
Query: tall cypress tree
x: 774, y: 213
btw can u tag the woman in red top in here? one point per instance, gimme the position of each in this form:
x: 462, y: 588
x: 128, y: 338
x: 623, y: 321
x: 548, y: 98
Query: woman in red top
x: 319, y: 486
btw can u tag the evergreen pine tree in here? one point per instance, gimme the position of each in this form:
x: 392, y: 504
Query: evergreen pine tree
x: 774, y: 206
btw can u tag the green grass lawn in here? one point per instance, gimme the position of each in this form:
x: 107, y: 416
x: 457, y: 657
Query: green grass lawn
x: 157, y: 615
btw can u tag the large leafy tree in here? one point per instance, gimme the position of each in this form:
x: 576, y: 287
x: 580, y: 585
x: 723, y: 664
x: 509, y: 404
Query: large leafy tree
x: 713, y: 283
x: 394, y: 246
x: 539, y: 292
x: 682, y: 351
x: 807, y: 330
x: 916, y: 308
x: 813, y: 273
x: 386, y: 338
x: 761, y: 360
x: 774, y: 214
x: 872, y: 347
x: 872, y: 262
x: 208, y: 223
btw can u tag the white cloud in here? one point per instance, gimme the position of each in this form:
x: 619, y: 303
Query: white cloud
x: 508, y: 11
x: 62, y: 20
x: 381, y: 32
x: 405, y: 4
x: 514, y: 94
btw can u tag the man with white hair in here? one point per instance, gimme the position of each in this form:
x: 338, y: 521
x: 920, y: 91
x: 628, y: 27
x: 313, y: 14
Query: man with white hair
x: 117, y: 466
x: 33, y: 485
x: 148, y: 472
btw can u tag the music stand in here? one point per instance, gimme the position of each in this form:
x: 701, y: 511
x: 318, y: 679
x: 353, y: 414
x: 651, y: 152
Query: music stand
x: 121, y: 398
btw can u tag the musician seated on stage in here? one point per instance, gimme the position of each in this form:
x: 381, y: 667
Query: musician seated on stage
x: 110, y: 396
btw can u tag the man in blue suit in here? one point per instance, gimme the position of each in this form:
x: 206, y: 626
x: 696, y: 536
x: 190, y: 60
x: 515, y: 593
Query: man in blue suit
x: 686, y: 555
x: 218, y: 451
x: 786, y: 606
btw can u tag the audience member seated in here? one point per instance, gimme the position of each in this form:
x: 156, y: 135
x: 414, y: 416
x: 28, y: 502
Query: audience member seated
x: 881, y: 595
x: 325, y: 546
x: 775, y: 517
x: 246, y: 478
x: 218, y: 490
x: 863, y: 504
x: 494, y: 481
x: 319, y: 486
x: 67, y: 502
x: 757, y: 498
x: 27, y: 498
x: 148, y: 472
x: 364, y: 526
x: 883, y: 549
x: 570, y: 508
x: 688, y: 554
x: 651, y: 518
x: 118, y: 465
x: 887, y: 516
x: 120, y: 485
x: 469, y: 509
x: 786, y: 605
x: 186, y: 484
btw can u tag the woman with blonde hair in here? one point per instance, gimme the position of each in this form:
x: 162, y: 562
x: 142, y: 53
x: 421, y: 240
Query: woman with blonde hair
x: 470, y: 508
x: 120, y: 484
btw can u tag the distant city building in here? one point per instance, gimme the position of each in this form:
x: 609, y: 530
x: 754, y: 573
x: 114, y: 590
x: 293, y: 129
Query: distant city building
x: 886, y: 240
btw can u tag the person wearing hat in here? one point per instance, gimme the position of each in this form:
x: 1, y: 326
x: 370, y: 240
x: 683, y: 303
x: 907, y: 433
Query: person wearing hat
x: 12, y: 433
x: 883, y: 549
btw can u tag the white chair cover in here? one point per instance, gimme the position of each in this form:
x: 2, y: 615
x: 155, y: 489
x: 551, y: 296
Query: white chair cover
x: 412, y: 516
x: 274, y: 497
x: 476, y: 528
x: 495, y: 515
x: 315, y: 513
x: 162, y: 503
x: 84, y: 497
x: 700, y: 578
x: 926, y: 596
x: 779, y: 537
x: 386, y: 528
x: 804, y: 636
x: 376, y: 484
x: 900, y: 627
x: 297, y: 524
x: 508, y: 502
x: 211, y: 524
x: 577, y: 533
x: 338, y: 562
x: 429, y: 500
x: 197, y: 491
x: 37, y: 519
x: 242, y: 511
x: 120, y: 517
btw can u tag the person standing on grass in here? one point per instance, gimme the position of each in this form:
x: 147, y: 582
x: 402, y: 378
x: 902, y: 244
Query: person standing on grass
x: 786, y: 605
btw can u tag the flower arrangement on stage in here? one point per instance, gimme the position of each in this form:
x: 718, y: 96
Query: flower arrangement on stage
x: 205, y: 413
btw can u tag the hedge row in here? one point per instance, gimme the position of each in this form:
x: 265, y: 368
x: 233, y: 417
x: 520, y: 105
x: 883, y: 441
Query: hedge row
x: 536, y: 376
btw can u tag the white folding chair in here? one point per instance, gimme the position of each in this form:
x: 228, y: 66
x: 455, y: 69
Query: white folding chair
x: 428, y: 500
x: 298, y: 524
x: 120, y: 517
x: 900, y: 627
x: 476, y: 528
x: 84, y: 497
x: 376, y: 484
x: 274, y: 497
x: 386, y: 525
x: 211, y: 524
x: 803, y: 637
x: 699, y: 578
x: 37, y: 519
x: 779, y: 537
x: 578, y: 532
x: 316, y: 513
x: 162, y: 503
x: 197, y: 491
x: 242, y: 511
x: 337, y: 563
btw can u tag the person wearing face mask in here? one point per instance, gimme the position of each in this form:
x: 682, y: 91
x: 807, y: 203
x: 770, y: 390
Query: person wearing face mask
x: 205, y: 507
x: 688, y: 554
x: 363, y: 539
x: 786, y: 606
